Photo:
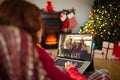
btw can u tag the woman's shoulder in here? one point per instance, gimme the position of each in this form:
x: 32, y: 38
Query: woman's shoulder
x: 41, y: 50
x: 43, y: 54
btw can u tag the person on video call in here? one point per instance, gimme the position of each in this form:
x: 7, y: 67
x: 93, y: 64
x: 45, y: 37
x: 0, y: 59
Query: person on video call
x: 68, y: 47
x: 82, y: 45
x: 26, y: 17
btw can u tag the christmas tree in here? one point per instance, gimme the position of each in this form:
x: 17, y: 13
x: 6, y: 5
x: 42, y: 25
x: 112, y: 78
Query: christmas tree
x: 104, y: 21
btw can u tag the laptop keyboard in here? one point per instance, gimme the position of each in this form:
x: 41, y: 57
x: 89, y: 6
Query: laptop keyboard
x: 61, y: 62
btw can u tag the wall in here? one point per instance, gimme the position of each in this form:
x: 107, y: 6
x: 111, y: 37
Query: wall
x: 83, y: 7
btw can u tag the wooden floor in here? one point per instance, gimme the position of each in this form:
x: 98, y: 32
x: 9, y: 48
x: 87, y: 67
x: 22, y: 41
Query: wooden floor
x: 113, y: 66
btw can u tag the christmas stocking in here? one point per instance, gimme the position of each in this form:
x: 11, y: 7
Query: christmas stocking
x: 72, y: 21
x: 65, y: 22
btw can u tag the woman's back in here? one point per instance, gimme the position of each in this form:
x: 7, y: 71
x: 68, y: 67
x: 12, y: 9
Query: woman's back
x: 19, y: 58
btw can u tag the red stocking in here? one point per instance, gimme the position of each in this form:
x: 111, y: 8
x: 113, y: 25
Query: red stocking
x: 65, y: 22
x: 72, y: 21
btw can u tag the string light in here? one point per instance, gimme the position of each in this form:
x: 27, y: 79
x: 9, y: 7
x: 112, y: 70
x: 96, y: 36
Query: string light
x: 104, y: 21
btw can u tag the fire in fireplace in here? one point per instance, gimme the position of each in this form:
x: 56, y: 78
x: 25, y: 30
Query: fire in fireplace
x: 51, y: 39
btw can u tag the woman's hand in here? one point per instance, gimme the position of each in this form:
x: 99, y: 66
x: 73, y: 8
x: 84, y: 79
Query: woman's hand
x: 69, y: 64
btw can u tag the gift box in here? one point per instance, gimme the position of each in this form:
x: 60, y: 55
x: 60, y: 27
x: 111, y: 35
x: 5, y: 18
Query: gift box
x: 116, y: 51
x: 107, y: 49
x: 118, y: 43
x: 99, y: 54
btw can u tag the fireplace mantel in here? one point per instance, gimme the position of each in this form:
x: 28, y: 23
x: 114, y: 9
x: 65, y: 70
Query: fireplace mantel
x: 50, y: 15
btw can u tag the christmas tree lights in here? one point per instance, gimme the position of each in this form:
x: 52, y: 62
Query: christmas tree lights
x: 104, y: 21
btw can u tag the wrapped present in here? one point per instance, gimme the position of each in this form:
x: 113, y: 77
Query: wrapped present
x: 118, y: 43
x: 99, y: 54
x: 116, y: 51
x: 107, y: 49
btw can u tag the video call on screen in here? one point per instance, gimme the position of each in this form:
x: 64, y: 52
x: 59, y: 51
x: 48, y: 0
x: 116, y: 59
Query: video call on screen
x: 75, y: 46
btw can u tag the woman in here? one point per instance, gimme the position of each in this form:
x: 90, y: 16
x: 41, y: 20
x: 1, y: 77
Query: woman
x: 26, y: 16
x: 18, y: 54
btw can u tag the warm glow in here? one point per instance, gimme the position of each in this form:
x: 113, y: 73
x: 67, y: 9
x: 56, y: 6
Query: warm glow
x: 51, y: 40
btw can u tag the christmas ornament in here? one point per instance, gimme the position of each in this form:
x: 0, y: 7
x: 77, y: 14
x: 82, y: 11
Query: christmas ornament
x: 91, y: 12
x: 49, y: 6
x: 91, y: 31
x: 106, y: 27
x: 112, y: 23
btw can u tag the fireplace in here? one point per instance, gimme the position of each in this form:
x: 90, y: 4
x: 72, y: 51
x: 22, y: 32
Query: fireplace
x: 51, y: 31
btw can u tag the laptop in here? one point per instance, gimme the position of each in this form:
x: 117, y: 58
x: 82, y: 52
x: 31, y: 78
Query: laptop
x: 76, y: 48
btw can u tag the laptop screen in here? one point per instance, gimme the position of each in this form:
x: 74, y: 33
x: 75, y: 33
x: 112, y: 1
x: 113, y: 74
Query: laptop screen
x: 76, y: 46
